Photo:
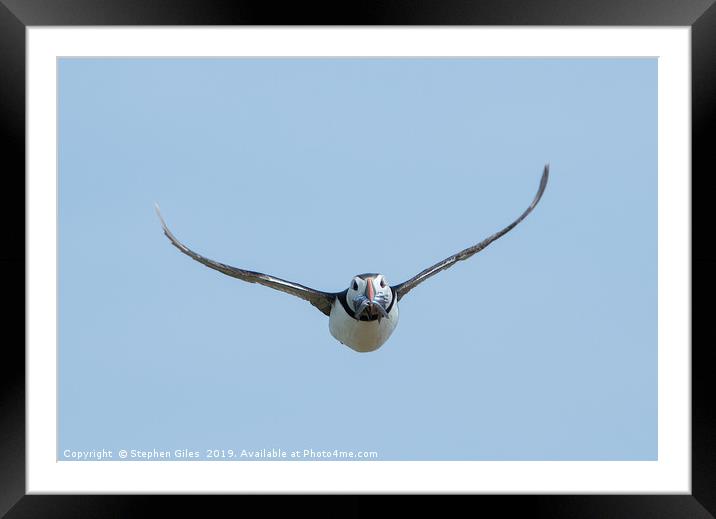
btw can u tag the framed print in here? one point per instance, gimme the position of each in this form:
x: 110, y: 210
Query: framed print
x: 551, y: 359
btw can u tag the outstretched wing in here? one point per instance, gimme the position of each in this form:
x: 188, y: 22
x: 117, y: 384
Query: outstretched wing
x: 321, y: 300
x: 407, y: 286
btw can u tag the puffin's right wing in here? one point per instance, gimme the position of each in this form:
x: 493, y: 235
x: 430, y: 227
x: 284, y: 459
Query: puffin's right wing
x: 407, y: 286
x: 321, y: 300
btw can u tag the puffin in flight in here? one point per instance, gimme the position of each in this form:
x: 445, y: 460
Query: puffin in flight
x: 365, y: 314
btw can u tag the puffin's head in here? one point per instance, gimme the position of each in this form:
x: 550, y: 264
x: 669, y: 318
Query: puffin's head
x: 369, y: 296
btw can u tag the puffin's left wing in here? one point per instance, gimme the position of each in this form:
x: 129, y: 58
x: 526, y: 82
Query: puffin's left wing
x: 407, y: 286
x: 321, y: 300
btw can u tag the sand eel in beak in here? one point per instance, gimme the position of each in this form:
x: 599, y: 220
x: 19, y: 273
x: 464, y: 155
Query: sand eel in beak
x: 365, y: 314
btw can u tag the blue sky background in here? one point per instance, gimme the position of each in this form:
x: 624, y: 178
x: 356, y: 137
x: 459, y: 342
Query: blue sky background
x: 541, y: 347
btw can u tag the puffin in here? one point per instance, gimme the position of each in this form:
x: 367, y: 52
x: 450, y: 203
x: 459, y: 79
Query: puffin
x: 364, y: 315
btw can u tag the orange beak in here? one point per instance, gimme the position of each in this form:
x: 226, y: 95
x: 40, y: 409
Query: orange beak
x: 369, y: 290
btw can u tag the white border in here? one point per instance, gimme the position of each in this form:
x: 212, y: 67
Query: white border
x: 670, y: 474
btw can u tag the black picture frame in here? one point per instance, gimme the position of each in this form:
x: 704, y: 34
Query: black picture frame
x: 17, y: 15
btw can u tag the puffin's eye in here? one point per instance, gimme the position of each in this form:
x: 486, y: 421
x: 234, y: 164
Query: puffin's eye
x: 382, y: 282
x: 355, y: 285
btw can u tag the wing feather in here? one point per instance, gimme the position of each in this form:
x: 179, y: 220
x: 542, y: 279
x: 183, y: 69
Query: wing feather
x: 321, y: 300
x: 407, y: 286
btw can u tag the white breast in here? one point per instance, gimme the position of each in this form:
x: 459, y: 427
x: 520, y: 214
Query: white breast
x: 361, y: 335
